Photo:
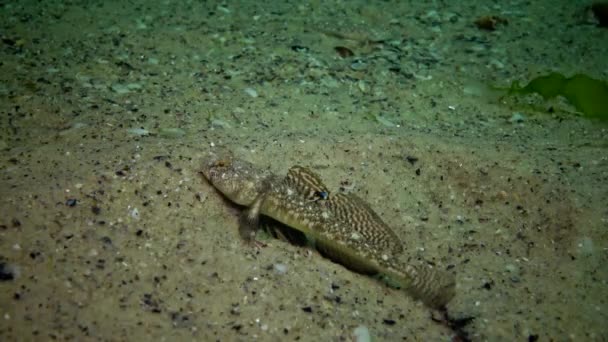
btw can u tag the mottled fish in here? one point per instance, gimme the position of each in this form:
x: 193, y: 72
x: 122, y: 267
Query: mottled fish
x: 342, y: 226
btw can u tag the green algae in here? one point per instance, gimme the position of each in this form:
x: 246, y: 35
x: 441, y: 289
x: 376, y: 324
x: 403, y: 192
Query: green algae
x: 588, y: 95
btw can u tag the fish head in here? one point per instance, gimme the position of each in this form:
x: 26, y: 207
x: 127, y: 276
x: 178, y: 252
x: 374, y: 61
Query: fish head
x: 238, y: 180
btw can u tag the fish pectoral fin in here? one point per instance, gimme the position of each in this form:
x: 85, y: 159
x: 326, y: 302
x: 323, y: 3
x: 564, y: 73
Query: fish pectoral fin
x: 283, y: 232
x: 249, y: 220
x: 248, y: 225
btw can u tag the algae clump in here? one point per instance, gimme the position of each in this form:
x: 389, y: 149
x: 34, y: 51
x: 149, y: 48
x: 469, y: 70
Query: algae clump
x: 586, y: 94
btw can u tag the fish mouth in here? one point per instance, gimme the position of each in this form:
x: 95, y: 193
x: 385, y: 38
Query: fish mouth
x: 208, y: 165
x: 206, y: 169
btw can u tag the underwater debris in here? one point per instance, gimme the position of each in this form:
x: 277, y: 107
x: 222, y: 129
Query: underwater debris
x: 588, y: 95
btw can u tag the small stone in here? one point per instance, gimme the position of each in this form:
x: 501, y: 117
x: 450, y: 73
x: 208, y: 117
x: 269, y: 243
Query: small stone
x: 512, y: 269
x: 134, y: 213
x: 251, y: 92
x: 216, y: 123
x: 358, y: 65
x: 516, y: 118
x: 171, y: 132
x: 361, y: 334
x: 125, y: 88
x: 6, y: 272
x: 586, y: 246
x: 280, y: 268
x: 389, y: 321
x: 362, y: 85
x: 138, y: 131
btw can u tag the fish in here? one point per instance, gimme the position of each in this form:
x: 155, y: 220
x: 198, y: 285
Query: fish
x: 341, y: 226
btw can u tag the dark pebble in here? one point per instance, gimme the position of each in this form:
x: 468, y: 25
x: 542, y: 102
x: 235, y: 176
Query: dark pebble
x: 6, y: 273
x: 71, y: 202
x: 412, y: 160
x: 389, y: 321
x: 299, y: 48
x: 9, y: 41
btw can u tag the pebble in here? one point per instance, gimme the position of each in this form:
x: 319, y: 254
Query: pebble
x: 216, y: 123
x: 358, y: 65
x: 251, y: 92
x: 7, y: 272
x: 585, y: 246
x: 384, y: 121
x: 361, y: 334
x: 516, y: 118
x: 134, y: 213
x: 120, y: 88
x: 280, y: 268
x: 138, y: 131
x: 512, y: 269
x: 363, y: 87
x: 171, y: 133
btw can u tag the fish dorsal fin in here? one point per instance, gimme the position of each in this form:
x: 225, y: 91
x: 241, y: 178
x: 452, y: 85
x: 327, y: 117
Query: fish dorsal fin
x: 349, y: 210
x: 356, y: 214
x: 307, y: 183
